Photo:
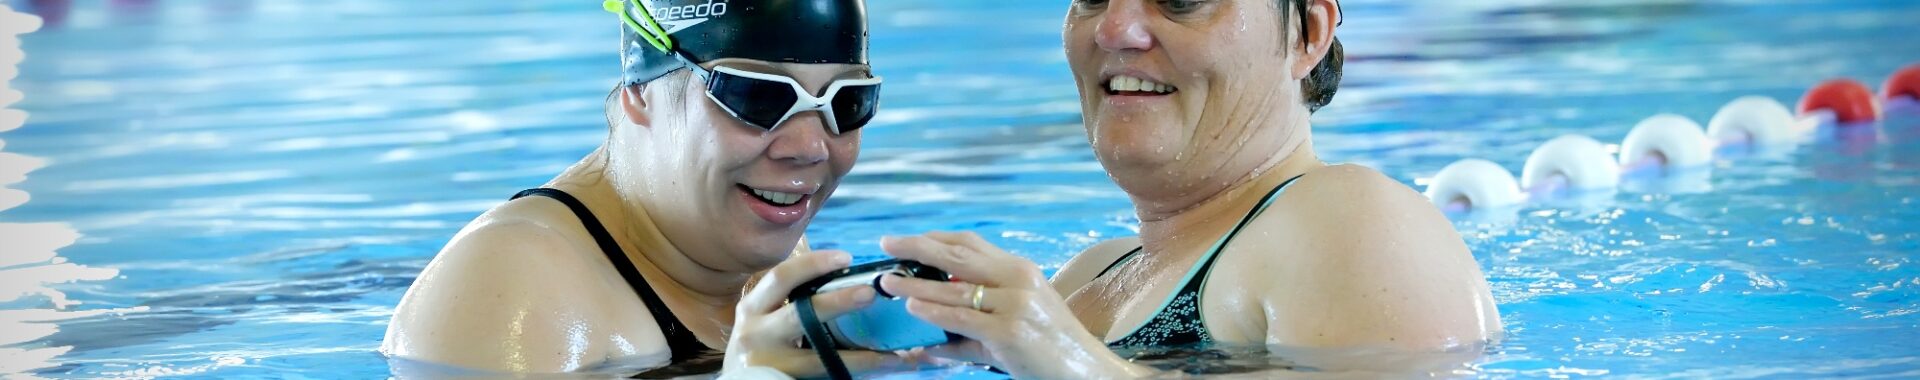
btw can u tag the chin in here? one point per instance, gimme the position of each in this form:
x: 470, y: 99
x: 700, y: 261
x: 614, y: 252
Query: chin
x: 761, y: 262
x: 1134, y: 146
x: 767, y: 249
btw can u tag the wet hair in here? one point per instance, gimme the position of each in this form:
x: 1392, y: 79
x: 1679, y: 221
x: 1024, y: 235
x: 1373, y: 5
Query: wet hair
x: 1318, y: 88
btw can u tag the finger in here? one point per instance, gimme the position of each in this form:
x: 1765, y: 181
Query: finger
x: 807, y: 365
x: 965, y: 351
x: 956, y: 260
x: 869, y: 361
x: 941, y: 292
x: 959, y: 319
x: 826, y: 306
x: 967, y: 239
x: 1017, y: 268
x: 772, y: 290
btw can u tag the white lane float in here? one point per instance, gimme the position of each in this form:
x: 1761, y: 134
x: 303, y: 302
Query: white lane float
x: 1754, y: 122
x: 1566, y: 163
x: 1662, y: 144
x: 1665, y: 141
x: 1473, y: 183
x: 1672, y: 143
x: 1569, y: 163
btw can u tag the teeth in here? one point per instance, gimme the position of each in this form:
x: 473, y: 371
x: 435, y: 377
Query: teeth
x: 1126, y: 83
x: 778, y: 198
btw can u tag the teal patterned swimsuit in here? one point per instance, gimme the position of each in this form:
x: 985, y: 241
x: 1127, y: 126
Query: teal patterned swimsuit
x: 1178, y: 322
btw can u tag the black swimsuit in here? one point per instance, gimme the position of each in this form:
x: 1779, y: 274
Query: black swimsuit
x: 1178, y: 323
x: 680, y: 341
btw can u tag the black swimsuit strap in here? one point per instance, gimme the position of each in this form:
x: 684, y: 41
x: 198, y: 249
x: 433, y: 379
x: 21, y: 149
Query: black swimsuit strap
x: 680, y: 340
x: 1178, y: 321
x: 1208, y: 264
x: 1122, y: 260
x: 1200, y: 279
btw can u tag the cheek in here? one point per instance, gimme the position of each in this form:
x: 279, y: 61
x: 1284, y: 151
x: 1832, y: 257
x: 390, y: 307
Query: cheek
x: 735, y: 138
x: 1078, y: 42
x: 729, y: 147
x: 740, y: 145
x: 842, y: 152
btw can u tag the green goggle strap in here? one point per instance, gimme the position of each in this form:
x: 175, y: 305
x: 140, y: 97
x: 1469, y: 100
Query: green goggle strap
x: 651, y: 31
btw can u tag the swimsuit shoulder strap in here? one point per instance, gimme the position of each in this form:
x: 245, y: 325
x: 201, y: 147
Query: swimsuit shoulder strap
x: 1198, y: 280
x: 1122, y: 260
x: 1178, y: 320
x: 680, y: 340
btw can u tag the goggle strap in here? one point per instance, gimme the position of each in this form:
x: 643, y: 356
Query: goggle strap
x: 651, y: 31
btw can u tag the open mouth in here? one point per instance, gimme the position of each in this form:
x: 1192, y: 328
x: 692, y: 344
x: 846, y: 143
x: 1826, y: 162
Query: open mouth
x: 1127, y: 85
x: 775, y: 198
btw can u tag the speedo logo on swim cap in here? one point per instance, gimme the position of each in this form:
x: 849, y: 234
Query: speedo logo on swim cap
x: 679, y: 17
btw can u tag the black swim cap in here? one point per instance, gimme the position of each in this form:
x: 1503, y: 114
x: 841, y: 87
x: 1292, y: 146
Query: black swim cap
x: 793, y: 31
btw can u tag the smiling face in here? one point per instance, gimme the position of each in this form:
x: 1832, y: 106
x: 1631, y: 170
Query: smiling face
x: 1182, y: 95
x: 719, y: 187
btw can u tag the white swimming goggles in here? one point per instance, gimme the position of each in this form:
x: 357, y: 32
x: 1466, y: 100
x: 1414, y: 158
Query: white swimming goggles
x: 768, y: 100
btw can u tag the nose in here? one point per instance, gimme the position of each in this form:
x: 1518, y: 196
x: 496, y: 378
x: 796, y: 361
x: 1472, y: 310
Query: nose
x: 1123, y: 26
x: 802, y: 140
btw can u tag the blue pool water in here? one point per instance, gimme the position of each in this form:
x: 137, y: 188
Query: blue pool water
x: 244, y: 188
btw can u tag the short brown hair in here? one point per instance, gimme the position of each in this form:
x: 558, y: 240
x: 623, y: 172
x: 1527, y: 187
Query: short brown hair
x: 1318, y: 88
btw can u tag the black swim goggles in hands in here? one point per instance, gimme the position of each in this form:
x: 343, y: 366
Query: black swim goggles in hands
x: 767, y: 100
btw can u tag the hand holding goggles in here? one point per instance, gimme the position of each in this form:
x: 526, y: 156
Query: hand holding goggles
x: 766, y: 100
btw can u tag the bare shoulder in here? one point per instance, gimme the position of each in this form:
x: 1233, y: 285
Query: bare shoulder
x: 1362, y: 260
x: 1359, y: 186
x: 1354, y: 206
x: 510, y: 292
x: 1083, y: 267
x: 1356, y: 212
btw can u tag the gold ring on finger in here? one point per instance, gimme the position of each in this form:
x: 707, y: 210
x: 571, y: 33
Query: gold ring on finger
x: 979, y: 293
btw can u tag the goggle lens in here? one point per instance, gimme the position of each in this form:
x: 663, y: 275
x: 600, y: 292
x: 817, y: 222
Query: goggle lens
x: 759, y: 102
x: 854, y: 106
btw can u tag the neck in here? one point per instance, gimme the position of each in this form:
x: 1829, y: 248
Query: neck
x: 1181, y: 226
x: 671, y: 271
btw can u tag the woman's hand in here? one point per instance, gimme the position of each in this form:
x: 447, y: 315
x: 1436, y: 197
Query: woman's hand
x: 1015, y: 319
x: 766, y: 330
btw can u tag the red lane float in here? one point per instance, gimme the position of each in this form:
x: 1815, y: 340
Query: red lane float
x: 1903, y: 83
x: 1850, y: 101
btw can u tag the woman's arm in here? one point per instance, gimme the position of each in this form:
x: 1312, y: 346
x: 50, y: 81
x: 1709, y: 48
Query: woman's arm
x: 491, y: 301
x: 1363, y: 262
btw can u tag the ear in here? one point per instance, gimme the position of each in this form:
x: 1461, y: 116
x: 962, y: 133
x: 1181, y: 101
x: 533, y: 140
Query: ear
x: 634, y: 105
x: 1321, y: 17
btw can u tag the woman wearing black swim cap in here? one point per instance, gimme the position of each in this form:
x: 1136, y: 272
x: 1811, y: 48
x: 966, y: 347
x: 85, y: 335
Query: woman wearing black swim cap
x: 1199, y: 109
x: 733, y: 123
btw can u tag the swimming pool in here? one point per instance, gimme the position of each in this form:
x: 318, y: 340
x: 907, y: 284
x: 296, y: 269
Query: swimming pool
x: 253, y: 184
